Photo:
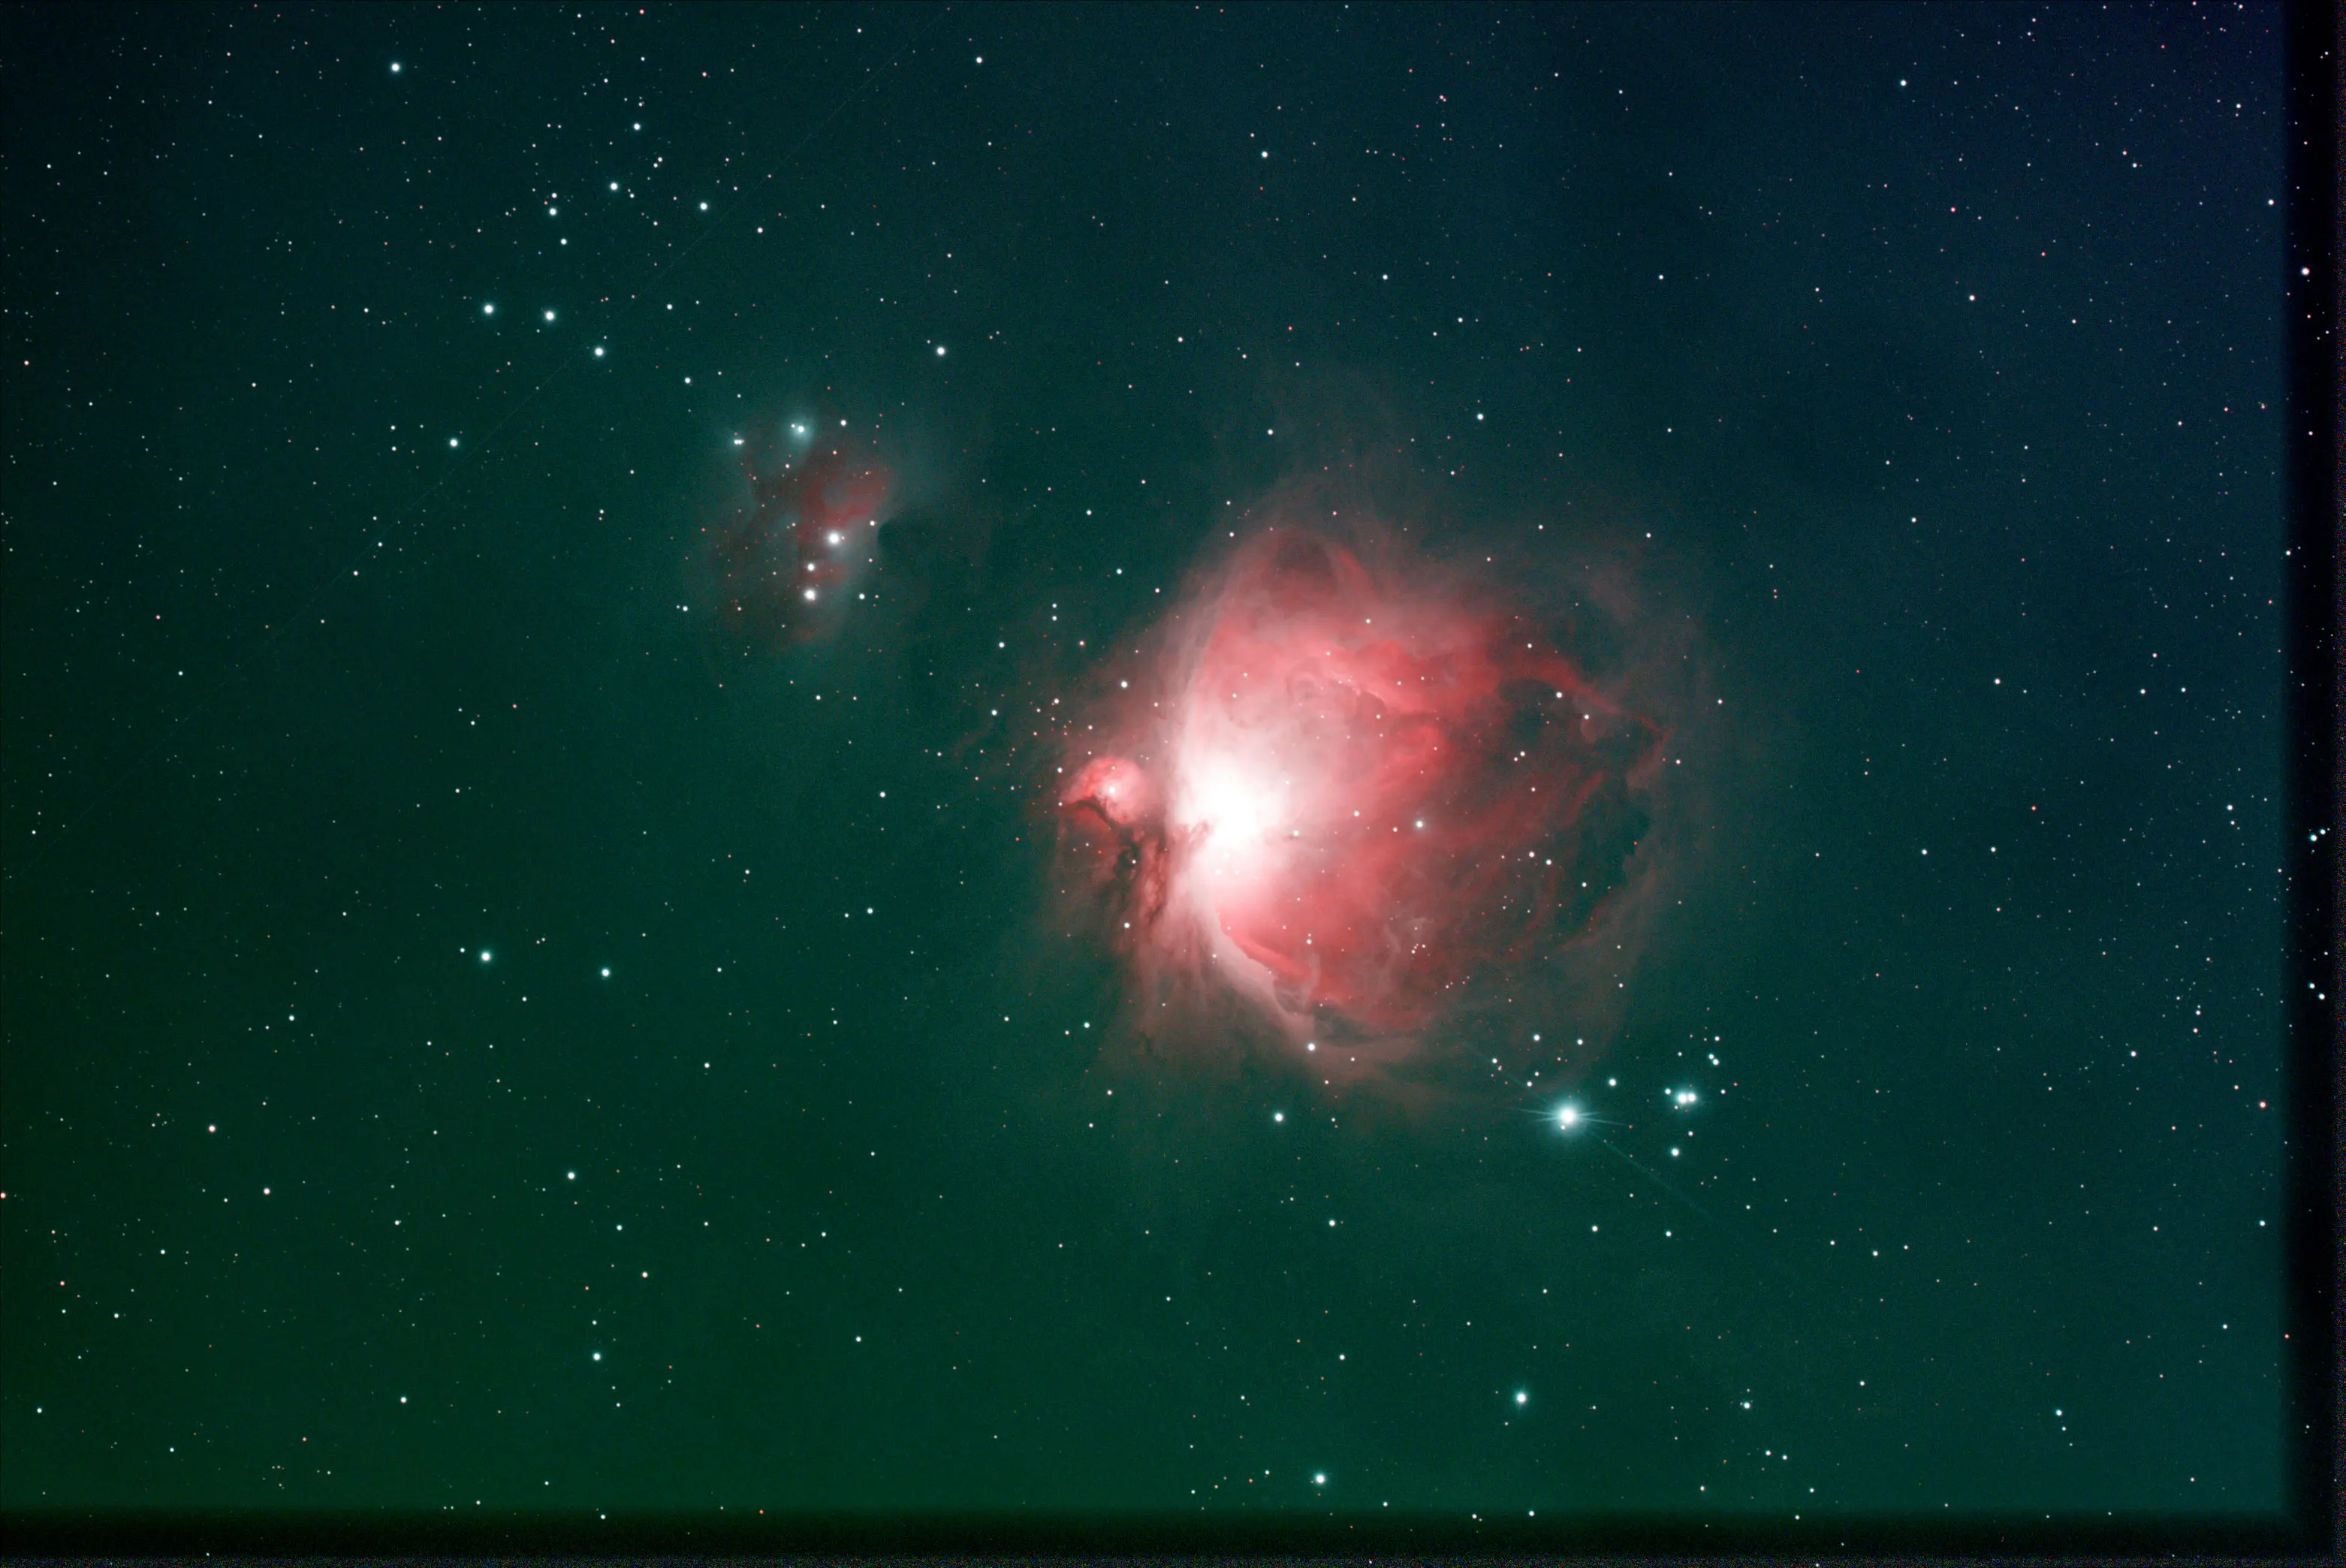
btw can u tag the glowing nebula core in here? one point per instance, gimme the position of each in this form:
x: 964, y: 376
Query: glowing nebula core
x: 1352, y: 788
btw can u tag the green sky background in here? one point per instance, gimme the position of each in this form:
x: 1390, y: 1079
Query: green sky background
x: 1923, y: 362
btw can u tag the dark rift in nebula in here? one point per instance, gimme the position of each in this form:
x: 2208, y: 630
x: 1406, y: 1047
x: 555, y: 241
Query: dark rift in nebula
x: 784, y: 572
x: 1354, y: 791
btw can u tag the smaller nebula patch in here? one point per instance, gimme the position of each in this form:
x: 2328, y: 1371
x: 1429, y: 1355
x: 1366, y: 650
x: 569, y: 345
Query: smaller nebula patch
x: 782, y: 573
x: 1353, y: 787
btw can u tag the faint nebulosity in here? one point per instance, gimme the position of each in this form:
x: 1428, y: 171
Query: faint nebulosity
x: 1478, y: 766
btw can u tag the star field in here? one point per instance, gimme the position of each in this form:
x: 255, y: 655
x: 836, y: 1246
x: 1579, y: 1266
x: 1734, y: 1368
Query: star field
x: 542, y: 974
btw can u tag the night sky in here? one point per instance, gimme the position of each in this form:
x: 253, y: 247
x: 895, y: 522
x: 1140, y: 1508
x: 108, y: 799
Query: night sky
x: 517, y: 1000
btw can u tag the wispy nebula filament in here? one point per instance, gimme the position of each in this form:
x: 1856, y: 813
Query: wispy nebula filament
x: 1357, y: 784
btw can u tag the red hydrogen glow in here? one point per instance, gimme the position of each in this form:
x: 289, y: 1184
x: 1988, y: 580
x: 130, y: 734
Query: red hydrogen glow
x: 809, y: 535
x: 1359, y: 788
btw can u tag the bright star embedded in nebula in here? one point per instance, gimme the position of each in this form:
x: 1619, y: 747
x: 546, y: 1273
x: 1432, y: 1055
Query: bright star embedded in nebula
x: 1395, y: 749
x: 1338, y: 799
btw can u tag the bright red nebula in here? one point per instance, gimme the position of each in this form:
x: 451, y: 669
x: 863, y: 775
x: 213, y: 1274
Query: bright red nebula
x: 1357, y: 788
x: 778, y: 574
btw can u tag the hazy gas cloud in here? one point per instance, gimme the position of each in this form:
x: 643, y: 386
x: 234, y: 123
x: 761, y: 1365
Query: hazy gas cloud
x: 784, y: 569
x: 1353, y: 803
